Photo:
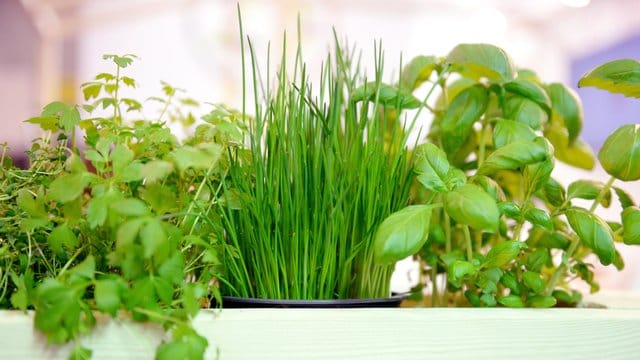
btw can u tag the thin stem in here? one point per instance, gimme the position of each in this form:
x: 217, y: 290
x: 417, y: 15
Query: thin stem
x: 467, y: 239
x: 434, y: 284
x: 117, y: 115
x: 602, y: 193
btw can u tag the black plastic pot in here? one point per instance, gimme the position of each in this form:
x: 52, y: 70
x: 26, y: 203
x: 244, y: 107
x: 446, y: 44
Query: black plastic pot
x: 231, y: 302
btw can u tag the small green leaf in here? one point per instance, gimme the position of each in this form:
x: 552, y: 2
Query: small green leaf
x: 465, y: 109
x: 203, y: 156
x: 154, y: 239
x: 585, y: 189
x: 108, y: 294
x: 566, y: 109
x: 402, y: 234
x: 538, y: 259
x: 69, y: 118
x: 68, y: 187
x: 533, y: 281
x: 130, y: 207
x: 156, y: 170
x: 512, y: 301
x: 537, y: 175
x: 62, y: 236
x: 620, y: 153
x: 516, y: 155
x: 525, y: 111
x: 510, y: 209
x: 91, y: 90
x: 510, y: 281
x: 508, y: 131
x: 578, y: 154
x: 470, y: 205
x: 31, y: 204
x: 503, y: 253
x: 593, y: 232
x: 554, y: 192
x: 529, y: 90
x: 128, y: 81
x: 387, y: 95
x: 80, y: 352
x: 624, y: 197
x: 459, y: 270
x: 619, y: 76
x: 631, y: 224
x: 540, y: 301
x: 53, y: 109
x: 432, y: 167
x: 120, y: 156
x: 539, y: 217
x: 418, y: 71
x: 482, y: 61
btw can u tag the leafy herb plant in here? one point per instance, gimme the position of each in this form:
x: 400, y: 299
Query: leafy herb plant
x: 118, y: 225
x: 304, y: 199
x: 492, y: 226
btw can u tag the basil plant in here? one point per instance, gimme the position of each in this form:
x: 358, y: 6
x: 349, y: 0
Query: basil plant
x: 489, y: 223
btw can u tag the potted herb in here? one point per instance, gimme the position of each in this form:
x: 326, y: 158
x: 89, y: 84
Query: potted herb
x: 490, y: 224
x: 319, y: 174
x: 111, y: 226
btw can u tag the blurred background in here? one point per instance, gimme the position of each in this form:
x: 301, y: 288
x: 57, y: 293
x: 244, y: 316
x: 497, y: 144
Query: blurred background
x: 49, y: 47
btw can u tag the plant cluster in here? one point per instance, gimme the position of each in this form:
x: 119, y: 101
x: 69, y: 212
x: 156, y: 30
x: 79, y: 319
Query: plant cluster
x: 118, y: 225
x: 316, y: 180
x: 488, y: 218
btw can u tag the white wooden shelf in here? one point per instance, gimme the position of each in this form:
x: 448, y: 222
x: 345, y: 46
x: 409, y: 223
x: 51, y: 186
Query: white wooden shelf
x: 426, y: 333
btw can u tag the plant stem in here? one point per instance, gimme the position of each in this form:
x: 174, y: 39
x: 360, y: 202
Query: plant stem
x: 486, y: 132
x: 467, y: 239
x: 117, y: 116
x: 434, y: 284
x: 601, y: 194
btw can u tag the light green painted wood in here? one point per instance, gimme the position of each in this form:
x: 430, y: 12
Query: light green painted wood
x: 367, y: 334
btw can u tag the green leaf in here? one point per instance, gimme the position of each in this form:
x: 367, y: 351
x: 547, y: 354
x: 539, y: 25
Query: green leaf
x: 529, y: 90
x: 108, y: 294
x: 130, y: 207
x: 620, y: 153
x: 69, y: 118
x: 31, y: 204
x: 508, y: 131
x: 459, y: 270
x: 172, y: 269
x: 512, y: 301
x: 432, y: 167
x: 470, y: 205
x: 122, y: 61
x: 488, y: 299
x: 68, y: 187
x: 554, y: 192
x: 593, y: 232
x: 23, y: 283
x: 201, y: 157
x: 538, y: 259
x: 482, y: 60
x: 161, y: 198
x: 624, y: 197
x: 516, y: 155
x: 120, y: 156
x: 402, y: 234
x: 533, y: 281
x: 587, y: 189
x: 91, y: 90
x: 510, y: 281
x: 126, y: 234
x: 577, y: 154
x: 80, y: 352
x: 46, y: 123
x: 631, y: 224
x: 503, y: 253
x: 465, y: 109
x: 540, y: 301
x: 510, y: 209
x: 154, y: 239
x: 564, y: 297
x: 83, y: 271
x: 418, y: 71
x: 128, y: 81
x: 566, y: 109
x: 619, y: 76
x: 387, y: 95
x: 525, y: 111
x: 156, y: 170
x: 163, y: 289
x: 62, y: 236
x: 537, y: 175
x: 539, y: 217
x: 53, y: 109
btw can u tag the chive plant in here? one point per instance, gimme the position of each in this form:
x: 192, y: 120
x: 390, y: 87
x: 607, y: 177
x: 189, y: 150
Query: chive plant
x: 319, y: 174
